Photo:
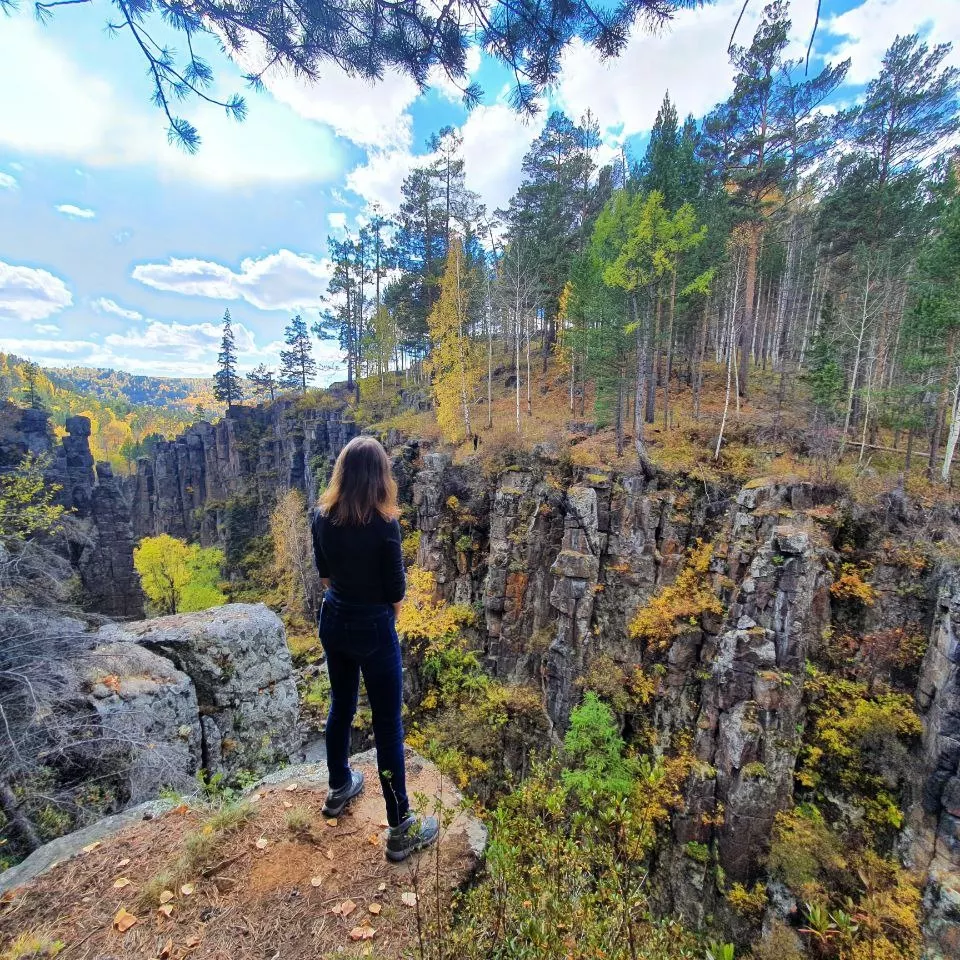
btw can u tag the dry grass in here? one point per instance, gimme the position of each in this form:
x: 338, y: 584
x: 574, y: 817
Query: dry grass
x: 243, y: 886
x: 766, y: 436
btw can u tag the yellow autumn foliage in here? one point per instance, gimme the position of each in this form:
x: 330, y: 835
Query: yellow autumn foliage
x: 425, y: 617
x: 681, y: 604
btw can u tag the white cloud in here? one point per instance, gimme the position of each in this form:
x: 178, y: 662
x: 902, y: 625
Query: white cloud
x: 495, y: 139
x: 689, y: 58
x: 7, y: 182
x: 71, y: 110
x: 191, y: 341
x: 46, y: 329
x: 369, y: 114
x: 867, y: 30
x: 29, y: 293
x: 379, y: 180
x: 106, y: 305
x: 163, y: 349
x: 76, y: 213
x: 337, y: 221
x: 279, y: 281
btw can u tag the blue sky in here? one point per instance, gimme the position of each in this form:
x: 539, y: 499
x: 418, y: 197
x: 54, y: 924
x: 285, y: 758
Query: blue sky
x: 119, y: 250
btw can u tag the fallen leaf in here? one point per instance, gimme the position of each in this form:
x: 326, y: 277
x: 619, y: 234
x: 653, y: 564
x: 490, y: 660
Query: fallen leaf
x: 291, y: 787
x: 373, y: 840
x: 362, y: 933
x: 123, y: 862
x: 120, y: 883
x: 332, y: 822
x: 90, y: 847
x: 409, y: 898
x: 344, y: 909
x: 329, y: 854
x: 123, y: 921
x: 165, y: 909
x: 112, y: 682
x: 382, y: 887
x: 166, y: 896
x: 316, y: 881
x: 255, y: 798
x: 287, y: 805
x: 187, y: 889
x: 384, y: 823
x: 167, y: 950
x: 192, y: 941
x: 181, y: 808
x: 374, y: 908
x: 262, y: 843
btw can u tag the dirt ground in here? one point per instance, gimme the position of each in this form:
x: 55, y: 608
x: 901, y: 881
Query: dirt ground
x: 276, y: 882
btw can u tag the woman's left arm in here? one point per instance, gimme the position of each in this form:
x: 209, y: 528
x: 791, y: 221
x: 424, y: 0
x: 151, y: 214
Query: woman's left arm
x: 394, y: 575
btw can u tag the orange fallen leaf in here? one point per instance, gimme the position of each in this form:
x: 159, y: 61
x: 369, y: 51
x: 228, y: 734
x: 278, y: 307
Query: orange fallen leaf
x: 373, y: 840
x: 362, y: 933
x: 262, y: 843
x: 409, y: 898
x: 166, y: 896
x: 374, y: 908
x: 181, y: 808
x: 316, y: 881
x: 112, y: 682
x: 344, y: 909
x: 187, y: 889
x: 332, y: 822
x: 192, y: 941
x: 120, y: 883
x: 123, y: 921
x: 165, y: 909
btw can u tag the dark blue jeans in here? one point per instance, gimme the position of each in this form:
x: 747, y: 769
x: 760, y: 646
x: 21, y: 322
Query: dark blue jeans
x: 362, y: 639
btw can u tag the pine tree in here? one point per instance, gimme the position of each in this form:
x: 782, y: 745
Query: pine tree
x: 761, y: 141
x: 297, y: 366
x: 31, y: 374
x: 227, y: 385
x: 263, y: 382
x: 454, y: 360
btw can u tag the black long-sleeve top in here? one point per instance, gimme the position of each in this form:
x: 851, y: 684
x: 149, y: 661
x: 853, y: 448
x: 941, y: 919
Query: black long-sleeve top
x: 363, y: 563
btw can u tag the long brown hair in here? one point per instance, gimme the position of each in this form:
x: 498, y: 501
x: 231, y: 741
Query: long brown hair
x: 361, y: 485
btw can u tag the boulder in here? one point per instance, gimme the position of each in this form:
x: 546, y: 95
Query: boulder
x: 238, y: 660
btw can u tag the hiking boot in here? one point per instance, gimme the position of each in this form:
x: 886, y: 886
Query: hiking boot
x: 337, y: 800
x: 412, y: 835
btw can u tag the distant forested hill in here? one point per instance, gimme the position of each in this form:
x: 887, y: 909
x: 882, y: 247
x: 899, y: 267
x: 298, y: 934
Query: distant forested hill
x: 118, y: 385
x: 128, y: 414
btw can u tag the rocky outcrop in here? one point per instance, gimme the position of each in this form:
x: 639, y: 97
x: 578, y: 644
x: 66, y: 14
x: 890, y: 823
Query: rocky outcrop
x: 109, y: 717
x: 145, y: 717
x: 220, y: 481
x: 239, y: 665
x: 937, y: 839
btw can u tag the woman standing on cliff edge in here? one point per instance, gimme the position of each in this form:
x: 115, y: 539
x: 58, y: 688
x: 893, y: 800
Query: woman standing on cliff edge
x: 356, y: 543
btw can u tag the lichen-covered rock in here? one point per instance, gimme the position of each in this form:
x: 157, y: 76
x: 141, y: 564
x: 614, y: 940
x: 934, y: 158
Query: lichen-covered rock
x: 238, y: 660
x: 937, y: 822
x: 146, y: 715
